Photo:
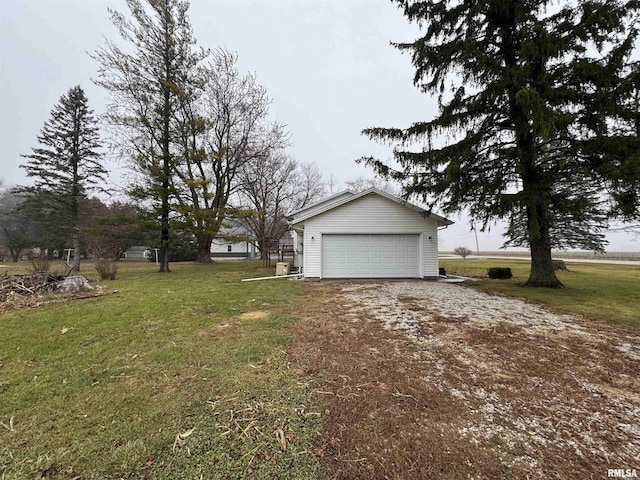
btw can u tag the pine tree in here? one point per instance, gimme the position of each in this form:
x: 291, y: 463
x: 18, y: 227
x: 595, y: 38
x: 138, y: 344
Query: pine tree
x: 150, y: 81
x: 536, y: 100
x: 65, y: 166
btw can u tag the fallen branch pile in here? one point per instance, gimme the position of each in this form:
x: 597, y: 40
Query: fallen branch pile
x: 28, y: 285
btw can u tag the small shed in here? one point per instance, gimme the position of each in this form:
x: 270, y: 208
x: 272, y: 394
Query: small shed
x: 370, y: 234
x: 138, y: 252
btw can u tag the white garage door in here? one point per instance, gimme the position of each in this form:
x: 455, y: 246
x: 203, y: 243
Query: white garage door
x: 370, y: 256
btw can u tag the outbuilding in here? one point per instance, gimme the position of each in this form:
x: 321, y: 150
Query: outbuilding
x: 370, y: 234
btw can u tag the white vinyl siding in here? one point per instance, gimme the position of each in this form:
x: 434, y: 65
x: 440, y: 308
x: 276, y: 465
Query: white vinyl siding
x: 324, y: 203
x: 369, y: 215
x: 311, y: 253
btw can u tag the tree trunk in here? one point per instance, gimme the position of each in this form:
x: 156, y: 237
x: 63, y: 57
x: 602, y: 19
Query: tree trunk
x: 542, y: 273
x: 165, y: 208
x: 164, y: 226
x: 204, y: 249
x: 163, y: 253
x: 76, y: 251
x: 15, y: 254
x: 165, y: 145
x: 265, y: 252
x: 536, y: 188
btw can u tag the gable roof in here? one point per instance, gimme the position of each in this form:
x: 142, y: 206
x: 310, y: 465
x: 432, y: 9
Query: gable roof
x: 348, y: 196
x: 325, y: 202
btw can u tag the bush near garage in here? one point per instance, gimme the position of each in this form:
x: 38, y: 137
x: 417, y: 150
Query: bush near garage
x: 499, y: 273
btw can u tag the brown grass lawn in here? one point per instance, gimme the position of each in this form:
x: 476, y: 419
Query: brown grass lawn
x: 198, y: 375
x: 453, y: 398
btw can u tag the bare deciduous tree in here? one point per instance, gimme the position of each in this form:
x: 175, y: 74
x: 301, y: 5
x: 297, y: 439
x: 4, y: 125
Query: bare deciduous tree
x: 271, y: 188
x: 16, y: 229
x: 228, y: 129
x: 464, y: 252
x: 311, y: 185
x: 360, y: 184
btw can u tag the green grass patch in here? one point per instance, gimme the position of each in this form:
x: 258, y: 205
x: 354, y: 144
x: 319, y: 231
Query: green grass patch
x: 177, y: 375
x: 600, y: 291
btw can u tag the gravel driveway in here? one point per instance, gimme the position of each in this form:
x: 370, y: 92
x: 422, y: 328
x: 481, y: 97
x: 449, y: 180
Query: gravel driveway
x: 549, y: 395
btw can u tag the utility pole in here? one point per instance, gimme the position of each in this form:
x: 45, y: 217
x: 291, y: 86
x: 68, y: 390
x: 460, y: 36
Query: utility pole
x: 473, y: 228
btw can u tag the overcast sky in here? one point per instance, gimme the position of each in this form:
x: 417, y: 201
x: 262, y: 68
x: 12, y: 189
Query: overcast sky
x: 327, y: 65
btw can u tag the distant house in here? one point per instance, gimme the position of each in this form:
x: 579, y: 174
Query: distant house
x: 222, y: 248
x: 139, y: 252
x: 370, y: 234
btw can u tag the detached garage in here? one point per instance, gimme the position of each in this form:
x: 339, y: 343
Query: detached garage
x: 366, y: 235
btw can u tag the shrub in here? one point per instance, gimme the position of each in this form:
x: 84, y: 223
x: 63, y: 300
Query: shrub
x: 183, y: 252
x: 500, y: 273
x: 40, y: 263
x: 105, y: 261
x: 106, y: 267
x: 177, y: 253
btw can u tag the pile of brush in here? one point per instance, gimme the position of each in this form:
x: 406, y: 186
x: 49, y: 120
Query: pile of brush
x: 28, y: 285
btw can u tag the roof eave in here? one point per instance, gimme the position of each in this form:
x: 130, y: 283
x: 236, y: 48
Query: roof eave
x: 294, y: 221
x: 292, y: 215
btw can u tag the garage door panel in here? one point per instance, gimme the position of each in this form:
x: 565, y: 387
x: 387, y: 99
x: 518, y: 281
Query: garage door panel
x: 369, y: 256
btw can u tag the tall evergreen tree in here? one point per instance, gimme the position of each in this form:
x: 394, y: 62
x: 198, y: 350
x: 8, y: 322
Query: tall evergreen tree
x: 150, y: 79
x: 65, y: 166
x: 536, y: 98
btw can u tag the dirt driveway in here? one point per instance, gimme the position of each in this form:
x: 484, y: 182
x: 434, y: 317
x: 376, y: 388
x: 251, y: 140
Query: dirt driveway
x: 431, y: 380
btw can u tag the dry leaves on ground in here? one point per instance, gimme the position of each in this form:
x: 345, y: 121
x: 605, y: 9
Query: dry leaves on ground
x: 431, y: 380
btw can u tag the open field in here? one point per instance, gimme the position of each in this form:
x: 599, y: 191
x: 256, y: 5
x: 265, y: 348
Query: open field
x: 573, y: 255
x: 174, y: 376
